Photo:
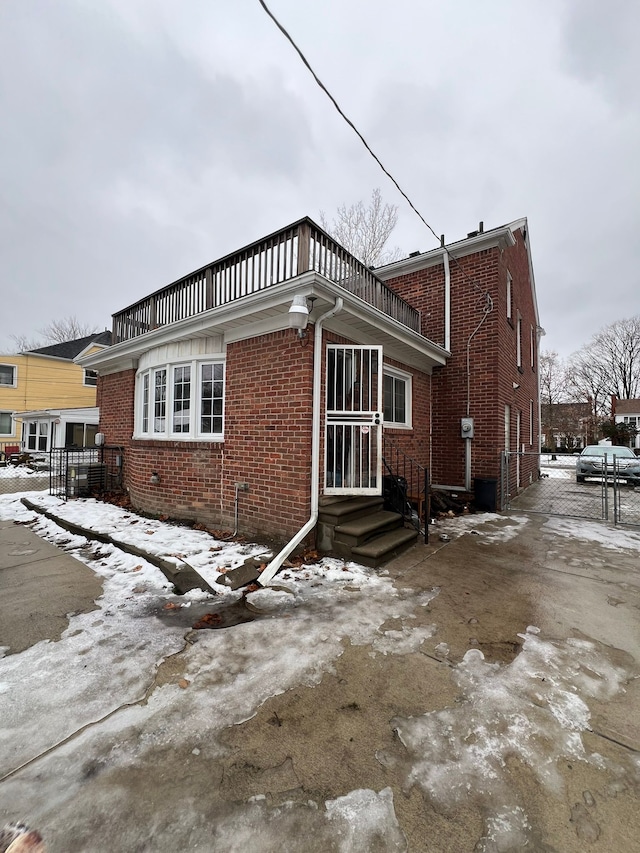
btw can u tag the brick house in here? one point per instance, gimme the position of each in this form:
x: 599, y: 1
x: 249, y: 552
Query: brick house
x: 567, y: 426
x: 231, y: 416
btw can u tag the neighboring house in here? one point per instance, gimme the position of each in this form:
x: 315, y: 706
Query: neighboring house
x: 41, y: 379
x: 48, y: 429
x: 567, y: 426
x: 229, y: 416
x: 628, y: 412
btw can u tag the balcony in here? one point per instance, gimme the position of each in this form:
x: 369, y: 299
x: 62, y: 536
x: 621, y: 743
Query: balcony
x: 297, y: 249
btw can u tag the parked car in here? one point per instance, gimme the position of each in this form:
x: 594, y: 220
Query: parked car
x: 591, y: 461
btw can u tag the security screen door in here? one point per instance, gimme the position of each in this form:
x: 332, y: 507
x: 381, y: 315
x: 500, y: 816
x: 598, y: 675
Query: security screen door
x: 353, y: 433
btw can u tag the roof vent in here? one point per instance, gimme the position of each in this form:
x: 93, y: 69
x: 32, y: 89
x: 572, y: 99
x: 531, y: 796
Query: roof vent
x: 414, y: 254
x: 472, y: 234
x: 481, y: 227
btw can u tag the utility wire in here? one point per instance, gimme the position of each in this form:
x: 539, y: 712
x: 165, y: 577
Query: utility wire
x: 486, y: 296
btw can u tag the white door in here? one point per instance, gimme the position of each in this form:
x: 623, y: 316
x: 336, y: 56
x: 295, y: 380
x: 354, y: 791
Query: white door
x: 353, y: 429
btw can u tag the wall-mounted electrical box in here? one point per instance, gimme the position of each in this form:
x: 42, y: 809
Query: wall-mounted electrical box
x: 466, y: 427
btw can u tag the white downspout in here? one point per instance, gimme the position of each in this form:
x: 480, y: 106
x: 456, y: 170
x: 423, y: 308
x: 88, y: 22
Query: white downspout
x: 267, y: 574
x: 447, y: 302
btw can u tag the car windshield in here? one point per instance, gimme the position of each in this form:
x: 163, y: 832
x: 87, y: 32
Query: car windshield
x: 600, y: 450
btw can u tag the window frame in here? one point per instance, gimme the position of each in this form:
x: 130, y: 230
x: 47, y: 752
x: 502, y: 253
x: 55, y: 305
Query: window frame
x: 11, y: 426
x: 89, y: 374
x: 154, y: 400
x: 509, y: 295
x: 519, y: 341
x: 407, y: 379
x: 14, y: 382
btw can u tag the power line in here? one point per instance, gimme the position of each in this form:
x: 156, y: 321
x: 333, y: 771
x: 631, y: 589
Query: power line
x: 487, y: 297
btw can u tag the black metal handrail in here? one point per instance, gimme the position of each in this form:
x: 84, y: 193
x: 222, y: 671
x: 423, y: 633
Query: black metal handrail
x: 407, y: 483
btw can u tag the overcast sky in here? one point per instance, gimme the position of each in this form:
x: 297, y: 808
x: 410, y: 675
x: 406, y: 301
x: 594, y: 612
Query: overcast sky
x: 141, y: 139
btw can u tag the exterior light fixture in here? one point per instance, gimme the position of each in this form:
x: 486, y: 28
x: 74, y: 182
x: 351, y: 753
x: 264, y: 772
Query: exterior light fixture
x: 299, y: 314
x: 155, y: 478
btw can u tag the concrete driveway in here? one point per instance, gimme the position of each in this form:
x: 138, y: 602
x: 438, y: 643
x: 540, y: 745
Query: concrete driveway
x: 494, y: 708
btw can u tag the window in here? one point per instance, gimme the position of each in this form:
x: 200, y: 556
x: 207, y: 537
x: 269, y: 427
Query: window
x: 80, y: 435
x: 6, y: 423
x: 181, y: 401
x: 160, y: 401
x: 37, y: 433
x: 211, y: 398
x: 8, y: 375
x: 507, y: 428
x: 531, y: 415
x: 533, y: 349
x: 397, y: 398
x: 90, y: 377
x: 509, y: 295
x: 519, y: 342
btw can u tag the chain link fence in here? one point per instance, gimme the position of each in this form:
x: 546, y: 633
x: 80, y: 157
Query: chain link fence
x: 557, y: 491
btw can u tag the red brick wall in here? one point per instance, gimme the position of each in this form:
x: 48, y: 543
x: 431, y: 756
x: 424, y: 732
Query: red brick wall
x: 493, y: 369
x: 268, y: 399
x: 115, y: 394
x: 267, y: 441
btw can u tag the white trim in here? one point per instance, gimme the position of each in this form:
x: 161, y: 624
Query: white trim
x: 509, y: 296
x: 86, y: 384
x: 267, y: 310
x: 407, y: 378
x: 11, y: 422
x: 195, y: 403
x: 500, y: 238
x: 14, y: 367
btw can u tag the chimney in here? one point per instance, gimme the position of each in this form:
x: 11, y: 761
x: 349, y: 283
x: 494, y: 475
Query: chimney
x: 613, y: 406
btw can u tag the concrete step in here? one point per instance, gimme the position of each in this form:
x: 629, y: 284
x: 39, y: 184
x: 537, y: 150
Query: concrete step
x: 361, y: 530
x: 348, y: 509
x: 383, y: 548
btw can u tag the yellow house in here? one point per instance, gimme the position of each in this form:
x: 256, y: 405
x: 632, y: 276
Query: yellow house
x: 45, y: 378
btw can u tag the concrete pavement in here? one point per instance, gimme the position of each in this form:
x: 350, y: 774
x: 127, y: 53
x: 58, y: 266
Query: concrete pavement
x: 40, y: 585
x: 228, y: 789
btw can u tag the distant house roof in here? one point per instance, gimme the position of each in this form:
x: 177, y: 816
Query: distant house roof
x: 70, y: 349
x: 627, y: 407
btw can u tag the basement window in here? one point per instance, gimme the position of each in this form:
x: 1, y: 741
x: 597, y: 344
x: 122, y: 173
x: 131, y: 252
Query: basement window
x: 397, y: 398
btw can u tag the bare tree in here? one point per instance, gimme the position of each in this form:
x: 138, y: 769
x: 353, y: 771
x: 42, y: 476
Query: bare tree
x: 610, y: 363
x: 552, y: 378
x: 24, y: 344
x: 67, y: 329
x: 57, y: 332
x: 365, y: 230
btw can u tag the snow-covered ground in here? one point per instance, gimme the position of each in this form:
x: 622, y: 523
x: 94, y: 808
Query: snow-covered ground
x: 95, y: 687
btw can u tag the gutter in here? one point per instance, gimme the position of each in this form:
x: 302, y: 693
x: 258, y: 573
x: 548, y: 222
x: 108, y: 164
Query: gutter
x: 275, y: 565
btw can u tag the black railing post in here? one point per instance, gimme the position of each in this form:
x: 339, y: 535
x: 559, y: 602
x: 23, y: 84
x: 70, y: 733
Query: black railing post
x: 427, y: 506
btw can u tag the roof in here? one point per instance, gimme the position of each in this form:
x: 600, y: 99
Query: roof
x: 627, y: 407
x: 70, y: 349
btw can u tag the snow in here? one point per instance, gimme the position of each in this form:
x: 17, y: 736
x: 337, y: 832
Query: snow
x: 106, y: 661
x: 612, y: 538
x: 103, y: 670
x: 533, y: 708
x: 488, y: 526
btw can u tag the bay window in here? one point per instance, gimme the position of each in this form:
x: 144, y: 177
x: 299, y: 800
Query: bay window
x: 181, y: 401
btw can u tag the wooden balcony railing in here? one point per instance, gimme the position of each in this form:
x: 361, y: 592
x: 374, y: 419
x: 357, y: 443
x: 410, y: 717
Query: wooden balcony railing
x: 300, y: 248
